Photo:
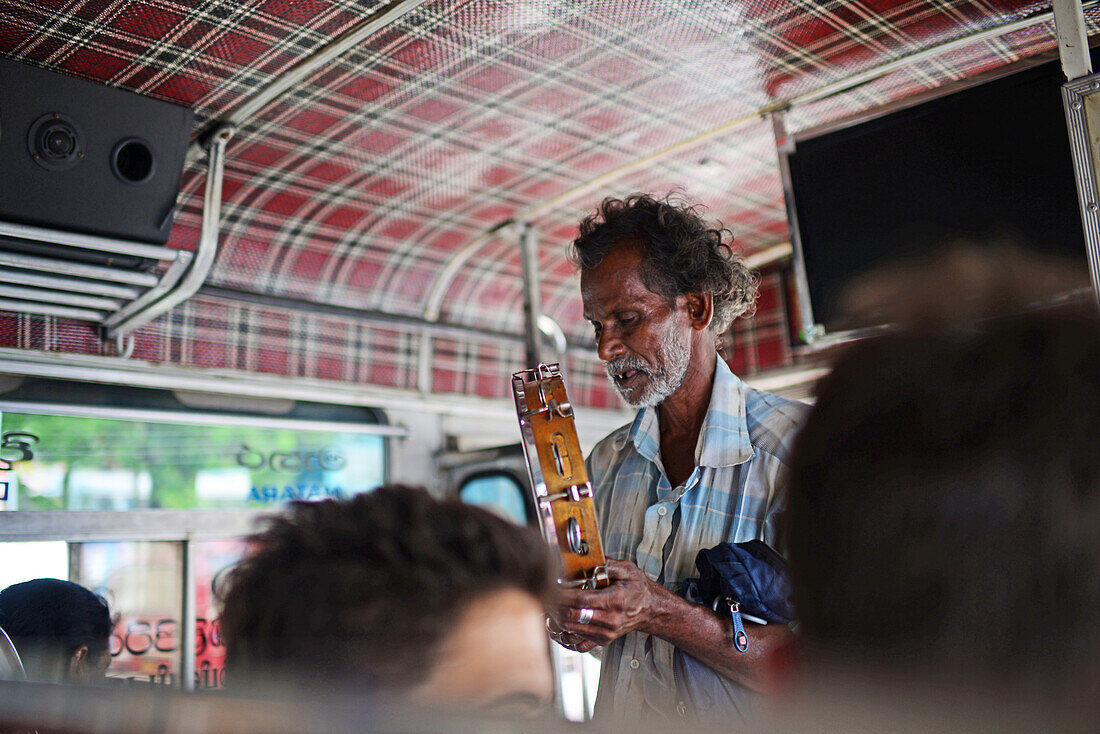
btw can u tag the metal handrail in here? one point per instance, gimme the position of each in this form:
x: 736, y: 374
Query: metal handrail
x: 70, y: 285
x: 87, y: 241
x: 207, y: 248
x: 80, y: 270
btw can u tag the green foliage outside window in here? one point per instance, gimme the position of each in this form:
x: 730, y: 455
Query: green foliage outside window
x: 101, y: 463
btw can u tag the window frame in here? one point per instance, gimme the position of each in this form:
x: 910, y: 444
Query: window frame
x: 184, y: 526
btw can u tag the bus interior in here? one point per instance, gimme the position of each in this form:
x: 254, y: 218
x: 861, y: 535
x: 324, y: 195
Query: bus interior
x: 295, y: 249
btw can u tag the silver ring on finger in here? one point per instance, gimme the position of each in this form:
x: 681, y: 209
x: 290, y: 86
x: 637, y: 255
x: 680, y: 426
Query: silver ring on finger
x: 585, y: 615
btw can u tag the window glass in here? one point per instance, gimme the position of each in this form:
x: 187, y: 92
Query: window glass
x: 143, y: 584
x: 498, y: 493
x: 50, y: 462
x: 27, y: 560
x: 213, y: 559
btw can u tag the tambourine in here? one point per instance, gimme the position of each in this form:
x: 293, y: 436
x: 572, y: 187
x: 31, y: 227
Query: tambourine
x: 559, y: 480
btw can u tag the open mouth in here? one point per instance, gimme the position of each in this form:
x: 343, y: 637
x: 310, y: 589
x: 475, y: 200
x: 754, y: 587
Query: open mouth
x: 626, y: 378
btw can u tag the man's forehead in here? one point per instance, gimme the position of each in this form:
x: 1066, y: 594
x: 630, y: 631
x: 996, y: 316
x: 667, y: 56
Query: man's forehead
x: 622, y: 260
x: 619, y: 276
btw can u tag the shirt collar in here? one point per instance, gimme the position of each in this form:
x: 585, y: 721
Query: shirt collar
x: 724, y: 437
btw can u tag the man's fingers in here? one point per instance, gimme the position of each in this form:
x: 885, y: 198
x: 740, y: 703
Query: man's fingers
x: 585, y: 646
x: 576, y: 598
x: 587, y: 620
x: 594, y: 632
x: 621, y: 569
x: 574, y: 642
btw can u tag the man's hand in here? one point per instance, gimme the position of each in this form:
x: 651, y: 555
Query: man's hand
x: 632, y: 602
x: 568, y: 639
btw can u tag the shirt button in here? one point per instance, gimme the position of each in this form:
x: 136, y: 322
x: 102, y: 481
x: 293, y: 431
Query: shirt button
x: 662, y: 510
x: 634, y: 664
x: 681, y: 708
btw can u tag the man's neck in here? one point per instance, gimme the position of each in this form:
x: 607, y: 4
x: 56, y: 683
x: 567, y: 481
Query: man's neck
x: 681, y: 414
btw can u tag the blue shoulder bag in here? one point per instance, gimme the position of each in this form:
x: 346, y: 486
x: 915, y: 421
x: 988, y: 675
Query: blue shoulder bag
x: 749, y: 581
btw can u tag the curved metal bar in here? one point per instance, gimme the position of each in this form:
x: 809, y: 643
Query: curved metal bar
x: 208, y: 241
x: 87, y: 241
x: 167, y: 282
x: 434, y: 306
x: 48, y: 309
x: 125, y: 344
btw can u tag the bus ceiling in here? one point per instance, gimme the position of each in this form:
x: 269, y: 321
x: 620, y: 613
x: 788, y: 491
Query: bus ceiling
x: 370, y: 193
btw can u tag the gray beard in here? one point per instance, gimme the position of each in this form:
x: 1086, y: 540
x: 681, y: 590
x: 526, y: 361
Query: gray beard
x: 664, y: 378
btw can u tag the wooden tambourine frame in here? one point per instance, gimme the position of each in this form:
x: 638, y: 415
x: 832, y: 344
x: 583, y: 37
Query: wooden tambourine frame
x: 559, y: 480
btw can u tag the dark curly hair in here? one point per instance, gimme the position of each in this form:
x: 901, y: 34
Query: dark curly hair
x: 683, y: 253
x: 364, y: 591
x: 947, y: 479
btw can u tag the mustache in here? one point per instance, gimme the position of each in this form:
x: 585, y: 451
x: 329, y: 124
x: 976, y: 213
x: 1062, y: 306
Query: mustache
x: 620, y: 365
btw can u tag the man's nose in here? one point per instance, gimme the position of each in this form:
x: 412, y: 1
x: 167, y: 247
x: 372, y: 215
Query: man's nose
x: 608, y: 345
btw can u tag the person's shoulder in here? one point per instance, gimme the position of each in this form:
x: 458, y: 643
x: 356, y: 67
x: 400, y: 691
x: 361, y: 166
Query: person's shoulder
x: 773, y: 420
x: 609, y: 448
x: 609, y: 453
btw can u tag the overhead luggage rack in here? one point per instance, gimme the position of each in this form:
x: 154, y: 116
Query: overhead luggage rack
x: 118, y: 284
x: 83, y: 277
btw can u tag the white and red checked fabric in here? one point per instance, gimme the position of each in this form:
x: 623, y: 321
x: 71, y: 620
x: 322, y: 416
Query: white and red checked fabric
x: 360, y: 186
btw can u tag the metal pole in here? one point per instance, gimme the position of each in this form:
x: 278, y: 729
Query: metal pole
x: 1079, y: 98
x: 87, y: 241
x: 1073, y: 39
x: 784, y: 146
x: 67, y: 268
x: 189, y: 618
x: 1073, y: 49
x: 208, y: 242
x: 532, y: 299
x: 424, y: 363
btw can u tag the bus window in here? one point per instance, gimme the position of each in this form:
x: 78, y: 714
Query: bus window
x: 142, y: 583
x: 213, y: 560
x: 29, y: 560
x: 178, y: 483
x: 65, y: 462
x: 498, y: 493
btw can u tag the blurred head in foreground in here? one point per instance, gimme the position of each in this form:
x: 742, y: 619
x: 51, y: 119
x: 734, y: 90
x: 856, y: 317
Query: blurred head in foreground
x: 435, y: 602
x: 59, y: 629
x: 944, y: 515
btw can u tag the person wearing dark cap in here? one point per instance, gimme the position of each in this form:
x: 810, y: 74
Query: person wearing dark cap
x: 60, y: 630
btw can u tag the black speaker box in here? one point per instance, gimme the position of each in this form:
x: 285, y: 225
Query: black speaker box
x: 83, y: 157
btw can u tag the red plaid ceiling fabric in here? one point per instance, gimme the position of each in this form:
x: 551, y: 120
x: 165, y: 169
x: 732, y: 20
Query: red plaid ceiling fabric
x: 363, y: 183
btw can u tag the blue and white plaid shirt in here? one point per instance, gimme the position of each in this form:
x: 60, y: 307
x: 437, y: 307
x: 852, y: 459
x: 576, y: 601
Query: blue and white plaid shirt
x: 734, y: 494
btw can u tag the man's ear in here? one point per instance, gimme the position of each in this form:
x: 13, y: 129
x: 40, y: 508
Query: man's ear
x: 78, y: 662
x: 700, y: 308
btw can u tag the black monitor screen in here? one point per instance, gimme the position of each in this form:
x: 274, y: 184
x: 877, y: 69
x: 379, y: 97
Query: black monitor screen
x: 989, y: 164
